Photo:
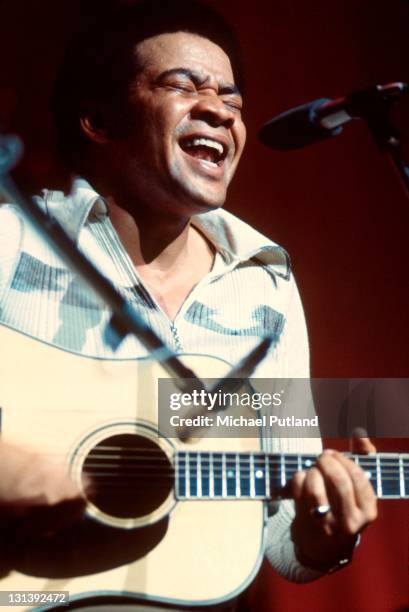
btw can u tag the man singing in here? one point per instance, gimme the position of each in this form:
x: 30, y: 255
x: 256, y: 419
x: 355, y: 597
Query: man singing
x: 148, y: 110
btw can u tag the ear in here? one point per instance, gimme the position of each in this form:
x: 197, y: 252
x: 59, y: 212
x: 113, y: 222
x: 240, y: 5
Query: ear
x: 98, y: 121
x: 92, y: 125
x: 101, y: 123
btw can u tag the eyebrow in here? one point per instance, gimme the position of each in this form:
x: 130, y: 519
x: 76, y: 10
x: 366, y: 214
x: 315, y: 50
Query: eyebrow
x: 198, y: 79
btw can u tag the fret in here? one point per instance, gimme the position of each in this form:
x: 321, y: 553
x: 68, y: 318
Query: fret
x: 211, y: 475
x: 401, y: 477
x: 252, y: 477
x: 378, y: 477
x: 205, y: 474
x: 299, y: 463
x: 187, y: 475
x: 231, y: 475
x: 282, y: 471
x: 199, y: 475
x: 405, y: 462
x: 224, y: 476
x: 260, y: 476
x: 218, y: 475
x: 267, y: 477
x: 245, y: 475
x: 238, y: 487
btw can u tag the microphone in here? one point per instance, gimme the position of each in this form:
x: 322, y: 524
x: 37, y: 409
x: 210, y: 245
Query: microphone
x: 324, y: 118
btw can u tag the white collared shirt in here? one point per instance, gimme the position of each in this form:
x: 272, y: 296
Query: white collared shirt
x: 249, y: 293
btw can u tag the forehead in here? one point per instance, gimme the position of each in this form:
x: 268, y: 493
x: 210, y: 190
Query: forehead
x: 183, y: 50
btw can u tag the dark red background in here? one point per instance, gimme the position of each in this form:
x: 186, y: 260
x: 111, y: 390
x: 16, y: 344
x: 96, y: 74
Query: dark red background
x: 336, y: 207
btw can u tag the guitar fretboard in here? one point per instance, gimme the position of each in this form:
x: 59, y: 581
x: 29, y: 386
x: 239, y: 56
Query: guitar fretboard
x: 206, y: 475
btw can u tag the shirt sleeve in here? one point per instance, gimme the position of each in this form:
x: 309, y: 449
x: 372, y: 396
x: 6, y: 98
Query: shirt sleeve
x: 293, y: 358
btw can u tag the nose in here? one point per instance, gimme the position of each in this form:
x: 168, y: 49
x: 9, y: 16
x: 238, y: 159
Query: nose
x: 212, y: 110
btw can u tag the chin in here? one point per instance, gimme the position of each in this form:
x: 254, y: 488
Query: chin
x: 202, y: 206
x: 204, y: 200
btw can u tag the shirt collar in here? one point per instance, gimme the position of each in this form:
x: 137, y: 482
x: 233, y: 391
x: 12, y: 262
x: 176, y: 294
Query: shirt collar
x: 234, y: 239
x: 73, y: 210
x: 237, y: 241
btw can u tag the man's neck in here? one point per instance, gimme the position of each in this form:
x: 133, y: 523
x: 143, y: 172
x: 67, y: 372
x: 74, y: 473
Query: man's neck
x: 170, y: 256
x: 151, y: 241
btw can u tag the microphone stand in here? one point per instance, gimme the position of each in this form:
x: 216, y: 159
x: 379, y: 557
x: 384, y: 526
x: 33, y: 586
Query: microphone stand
x: 393, y: 153
x: 374, y: 107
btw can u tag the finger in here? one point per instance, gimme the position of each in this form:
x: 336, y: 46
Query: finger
x: 297, y: 485
x: 364, y: 494
x: 361, y: 444
x: 314, y: 492
x: 339, y: 474
x: 339, y: 489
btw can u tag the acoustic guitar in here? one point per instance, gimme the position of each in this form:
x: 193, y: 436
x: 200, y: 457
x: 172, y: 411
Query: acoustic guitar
x: 166, y: 520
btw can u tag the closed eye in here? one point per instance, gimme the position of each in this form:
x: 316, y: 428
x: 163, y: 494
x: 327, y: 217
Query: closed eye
x: 234, y: 104
x: 177, y: 81
x: 184, y: 88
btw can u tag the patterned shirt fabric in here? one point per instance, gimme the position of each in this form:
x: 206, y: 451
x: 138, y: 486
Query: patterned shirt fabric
x: 249, y: 293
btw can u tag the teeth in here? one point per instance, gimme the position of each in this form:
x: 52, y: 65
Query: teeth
x: 209, y: 163
x: 213, y: 144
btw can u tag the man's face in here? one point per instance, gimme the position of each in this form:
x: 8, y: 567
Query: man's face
x: 186, y: 133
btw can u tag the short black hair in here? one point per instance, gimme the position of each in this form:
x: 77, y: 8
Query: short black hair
x: 99, y: 63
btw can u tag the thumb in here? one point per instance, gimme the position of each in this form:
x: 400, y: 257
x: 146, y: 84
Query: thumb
x: 360, y: 443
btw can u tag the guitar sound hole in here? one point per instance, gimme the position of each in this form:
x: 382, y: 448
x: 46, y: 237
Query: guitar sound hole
x: 130, y: 476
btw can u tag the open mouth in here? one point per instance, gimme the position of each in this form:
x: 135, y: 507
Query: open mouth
x: 205, y: 149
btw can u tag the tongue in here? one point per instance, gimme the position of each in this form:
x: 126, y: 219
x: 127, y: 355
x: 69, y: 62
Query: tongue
x: 202, y: 153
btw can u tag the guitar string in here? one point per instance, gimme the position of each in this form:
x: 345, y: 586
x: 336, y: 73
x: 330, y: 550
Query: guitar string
x: 391, y: 468
x: 170, y: 478
x: 228, y: 456
x: 98, y: 460
x: 231, y: 457
x: 391, y: 475
x: 232, y: 466
x: 217, y: 473
x: 293, y: 469
x: 156, y: 449
x: 206, y: 465
x: 137, y: 452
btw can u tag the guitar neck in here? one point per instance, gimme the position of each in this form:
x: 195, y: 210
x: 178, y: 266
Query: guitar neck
x: 209, y: 475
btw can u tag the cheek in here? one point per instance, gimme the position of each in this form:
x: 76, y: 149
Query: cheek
x: 177, y: 168
x: 241, y: 137
x: 168, y: 112
x: 166, y: 124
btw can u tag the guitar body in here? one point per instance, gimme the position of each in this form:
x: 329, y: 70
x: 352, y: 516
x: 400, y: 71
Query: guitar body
x: 66, y: 406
